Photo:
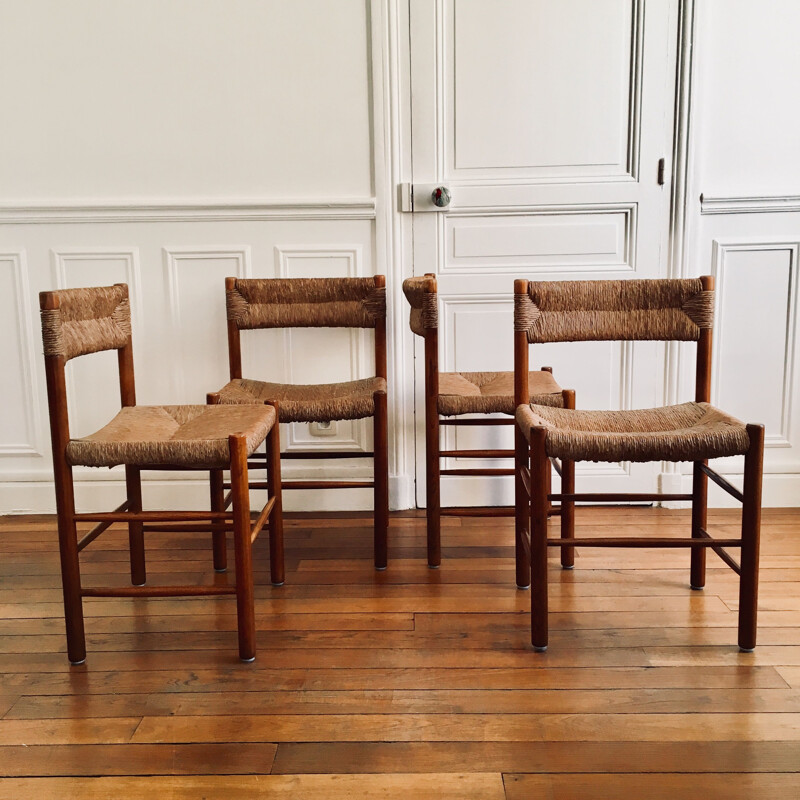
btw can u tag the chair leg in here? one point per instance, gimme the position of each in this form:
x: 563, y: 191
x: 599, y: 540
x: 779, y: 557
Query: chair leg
x: 433, y: 499
x: 751, y: 531
x: 219, y: 540
x: 70, y: 567
x: 133, y: 485
x: 540, y: 466
x: 522, y: 509
x: 276, y: 561
x: 697, y: 574
x: 245, y: 601
x: 568, y: 487
x: 381, y: 481
x: 567, y: 513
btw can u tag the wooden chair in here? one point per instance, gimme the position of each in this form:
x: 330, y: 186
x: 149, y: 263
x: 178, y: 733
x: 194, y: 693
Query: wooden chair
x: 454, y: 394
x: 317, y: 303
x: 662, y: 310
x: 195, y: 437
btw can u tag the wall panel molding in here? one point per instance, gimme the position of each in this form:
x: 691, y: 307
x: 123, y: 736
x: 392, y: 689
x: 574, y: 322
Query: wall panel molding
x: 353, y: 255
x: 187, y: 210
x: 766, y: 204
x: 30, y: 443
x: 720, y: 253
x: 174, y: 257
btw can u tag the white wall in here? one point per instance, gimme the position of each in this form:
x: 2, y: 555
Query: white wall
x: 745, y: 162
x: 169, y: 143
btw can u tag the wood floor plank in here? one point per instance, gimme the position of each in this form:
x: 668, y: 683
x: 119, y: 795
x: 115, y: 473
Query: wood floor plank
x: 67, y: 731
x: 152, y: 623
x: 542, y: 757
x: 791, y: 675
x: 512, y: 640
x: 469, y: 727
x: 470, y: 786
x: 79, y: 682
x: 653, y: 787
x: 135, y: 759
x: 394, y: 701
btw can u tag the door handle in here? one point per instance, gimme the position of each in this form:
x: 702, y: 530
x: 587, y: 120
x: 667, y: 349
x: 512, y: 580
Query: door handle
x: 419, y: 197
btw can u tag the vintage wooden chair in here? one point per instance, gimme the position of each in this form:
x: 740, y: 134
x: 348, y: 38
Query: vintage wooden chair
x: 195, y: 437
x: 662, y: 310
x: 454, y: 394
x: 317, y: 303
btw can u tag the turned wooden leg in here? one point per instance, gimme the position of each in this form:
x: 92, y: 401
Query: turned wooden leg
x: 568, y: 487
x: 276, y: 561
x: 540, y: 466
x: 133, y: 485
x: 70, y: 567
x: 433, y: 498
x: 697, y: 572
x: 522, y: 509
x: 381, y: 481
x: 245, y: 602
x: 219, y: 541
x: 751, y: 531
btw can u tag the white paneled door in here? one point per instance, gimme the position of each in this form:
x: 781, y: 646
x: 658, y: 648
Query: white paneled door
x: 546, y: 120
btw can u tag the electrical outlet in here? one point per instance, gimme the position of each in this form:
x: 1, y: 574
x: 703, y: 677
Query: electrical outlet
x: 322, y: 428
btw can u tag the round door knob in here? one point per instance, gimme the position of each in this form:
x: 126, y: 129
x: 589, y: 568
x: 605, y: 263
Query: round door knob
x: 441, y: 197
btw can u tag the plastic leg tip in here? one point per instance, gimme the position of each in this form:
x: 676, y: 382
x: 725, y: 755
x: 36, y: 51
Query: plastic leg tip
x: 746, y: 649
x: 539, y: 649
x: 77, y: 663
x: 224, y: 569
x: 696, y: 588
x: 433, y: 566
x: 247, y: 660
x: 278, y: 584
x: 567, y: 566
x: 523, y: 588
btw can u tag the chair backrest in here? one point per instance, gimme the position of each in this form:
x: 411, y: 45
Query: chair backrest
x: 80, y: 321
x: 423, y: 298
x: 76, y: 322
x: 306, y: 302
x: 655, y: 309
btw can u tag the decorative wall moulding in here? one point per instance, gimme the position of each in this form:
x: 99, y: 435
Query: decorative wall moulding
x: 189, y: 211
x: 771, y: 204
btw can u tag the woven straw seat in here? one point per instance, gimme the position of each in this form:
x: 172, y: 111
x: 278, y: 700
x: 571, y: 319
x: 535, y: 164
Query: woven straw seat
x: 686, y: 432
x: 190, y: 436
x: 492, y: 392
x: 308, y: 402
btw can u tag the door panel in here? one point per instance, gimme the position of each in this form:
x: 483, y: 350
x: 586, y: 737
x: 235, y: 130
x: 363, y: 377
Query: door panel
x: 546, y: 119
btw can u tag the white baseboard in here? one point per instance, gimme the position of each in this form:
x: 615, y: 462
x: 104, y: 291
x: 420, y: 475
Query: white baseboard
x: 780, y: 490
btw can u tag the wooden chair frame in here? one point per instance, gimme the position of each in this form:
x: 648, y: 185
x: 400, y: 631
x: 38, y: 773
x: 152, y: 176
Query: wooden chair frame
x: 434, y: 421
x: 380, y: 454
x: 140, y: 522
x: 533, y: 475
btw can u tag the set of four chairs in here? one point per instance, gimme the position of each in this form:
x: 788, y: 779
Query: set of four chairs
x: 226, y: 433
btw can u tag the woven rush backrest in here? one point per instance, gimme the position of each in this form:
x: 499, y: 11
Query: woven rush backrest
x: 572, y: 311
x: 422, y: 297
x: 306, y: 303
x: 86, y: 321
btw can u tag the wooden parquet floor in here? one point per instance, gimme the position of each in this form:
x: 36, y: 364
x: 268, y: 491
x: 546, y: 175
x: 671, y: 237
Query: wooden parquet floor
x: 413, y: 683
